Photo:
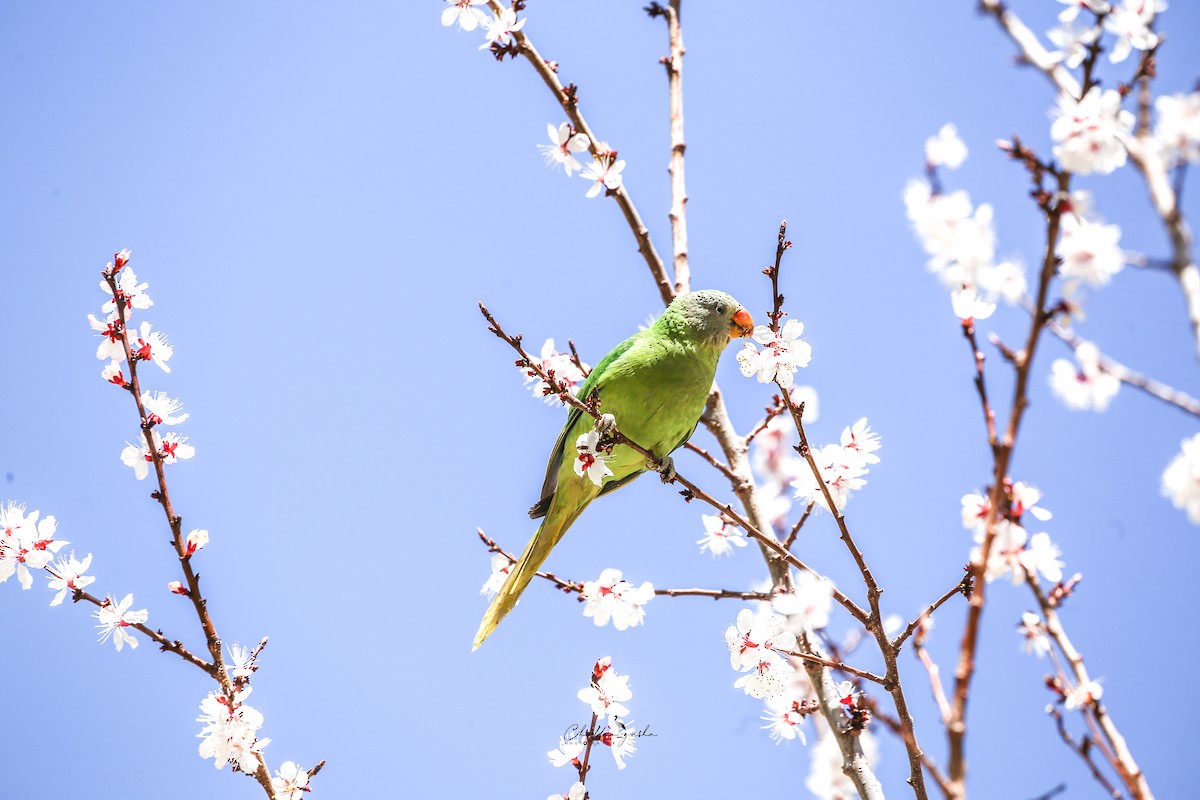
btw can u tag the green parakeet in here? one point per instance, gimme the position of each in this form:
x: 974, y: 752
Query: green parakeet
x: 655, y: 384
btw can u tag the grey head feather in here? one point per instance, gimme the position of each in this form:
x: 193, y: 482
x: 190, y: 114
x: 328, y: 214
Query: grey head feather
x: 703, y: 316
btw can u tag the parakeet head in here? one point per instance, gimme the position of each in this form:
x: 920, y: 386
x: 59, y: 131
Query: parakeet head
x: 710, y: 316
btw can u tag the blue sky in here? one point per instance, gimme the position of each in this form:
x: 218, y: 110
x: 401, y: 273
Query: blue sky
x: 319, y: 195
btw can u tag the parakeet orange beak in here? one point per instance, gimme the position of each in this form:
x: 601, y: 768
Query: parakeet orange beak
x: 741, y: 325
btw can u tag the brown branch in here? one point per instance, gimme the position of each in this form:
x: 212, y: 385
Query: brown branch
x: 570, y: 106
x: 576, y: 360
x: 218, y: 671
x: 874, y: 622
x: 674, y: 65
x: 963, y: 587
x: 791, y: 538
x: 893, y: 725
x: 1002, y: 456
x: 771, y: 413
x: 164, y: 644
x: 1127, y: 768
x: 838, y: 665
x: 989, y: 415
x: 1084, y: 752
x: 720, y: 466
x: 577, y: 586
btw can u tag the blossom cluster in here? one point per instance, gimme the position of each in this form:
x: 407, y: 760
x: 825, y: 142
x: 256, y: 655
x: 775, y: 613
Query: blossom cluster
x: 721, y: 536
x: 843, y: 466
x: 563, y: 369
x: 782, y: 354
x: 230, y: 731
x: 754, y: 642
x: 1014, y: 552
x: 605, y: 696
x: 774, y: 458
x: 960, y: 238
x: 1129, y: 23
x: 609, y: 597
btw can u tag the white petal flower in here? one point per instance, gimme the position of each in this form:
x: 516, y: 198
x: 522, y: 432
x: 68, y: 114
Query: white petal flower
x: 604, y: 173
x: 1130, y: 23
x: 1086, y: 386
x: 290, y: 781
x: 151, y: 346
x: 611, y: 598
x: 607, y: 695
x: 111, y: 342
x: 1178, y: 128
x: 564, y: 144
x: 500, y: 28
x: 720, y: 537
x: 161, y: 409
x: 1072, y: 42
x: 116, y: 617
x: 969, y: 306
x: 130, y: 290
x: 1082, y: 695
x: 565, y: 371
x: 1073, y: 8
x: 1089, y: 134
x: 945, y: 149
x: 1034, y: 635
x: 1041, y: 557
x: 566, y: 752
x: 501, y: 566
x: 1090, y: 251
x: 590, y: 462
x: 1181, y: 479
x: 783, y: 353
x: 465, y: 13
x: 841, y: 471
x: 230, y: 732
x: 67, y: 575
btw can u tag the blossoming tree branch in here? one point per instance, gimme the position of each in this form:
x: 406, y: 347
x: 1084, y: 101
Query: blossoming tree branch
x: 783, y: 650
x: 229, y: 733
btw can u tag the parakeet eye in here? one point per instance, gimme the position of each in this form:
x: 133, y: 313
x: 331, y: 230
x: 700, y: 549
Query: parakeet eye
x: 720, y: 308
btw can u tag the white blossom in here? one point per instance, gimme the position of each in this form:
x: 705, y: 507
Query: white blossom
x: 1089, y: 133
x: 465, y: 13
x: 610, y: 597
x: 604, y: 173
x: 1178, y: 128
x: 945, y: 149
x: 1072, y: 42
x: 590, y: 461
x: 115, y: 617
x: 564, y: 144
x: 1130, y: 23
x: 290, y: 781
x: 1086, y: 386
x: 720, y: 537
x: 230, y: 732
x: 1090, y: 251
x: 1181, y: 479
x: 783, y: 353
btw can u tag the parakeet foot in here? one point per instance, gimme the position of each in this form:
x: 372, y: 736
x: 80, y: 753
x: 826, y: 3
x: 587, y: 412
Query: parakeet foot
x: 665, y: 468
x: 606, y: 424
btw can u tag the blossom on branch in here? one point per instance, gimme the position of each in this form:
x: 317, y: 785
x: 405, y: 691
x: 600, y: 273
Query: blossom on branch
x: 604, y: 173
x: 161, y: 409
x: 968, y: 306
x: 720, y: 535
x: 1181, y: 479
x: 466, y: 13
x: 565, y: 371
x: 945, y: 149
x: 111, y: 346
x: 1178, y: 128
x: 112, y: 373
x: 500, y: 28
x: 66, y: 574
x: 783, y: 353
x: 501, y: 566
x: 1086, y: 386
x: 567, y: 752
x: 1090, y: 251
x: 26, y: 543
x: 1085, y: 694
x: 230, y: 732
x: 1034, y: 634
x: 115, y: 617
x: 290, y: 781
x: 148, y: 346
x: 610, y: 597
x: 590, y: 461
x: 1072, y: 42
x: 129, y: 290
x: 842, y: 472
x: 577, y: 792
x: 753, y: 644
x: 170, y: 449
x: 1130, y: 23
x: 196, y: 541
x: 1089, y: 134
x: 564, y: 144
x: 606, y: 695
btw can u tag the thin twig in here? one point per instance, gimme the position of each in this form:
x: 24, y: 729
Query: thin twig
x: 791, y: 537
x: 989, y: 415
x: 1083, y: 752
x: 838, y: 665
x: 893, y: 725
x: 963, y: 587
x: 567, y: 100
x: 721, y: 467
x: 577, y: 586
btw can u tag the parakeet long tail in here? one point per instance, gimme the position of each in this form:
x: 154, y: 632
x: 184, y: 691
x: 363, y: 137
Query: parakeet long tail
x: 548, y: 534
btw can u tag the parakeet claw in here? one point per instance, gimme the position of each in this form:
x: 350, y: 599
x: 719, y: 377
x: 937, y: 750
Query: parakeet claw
x: 606, y: 424
x: 665, y: 468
